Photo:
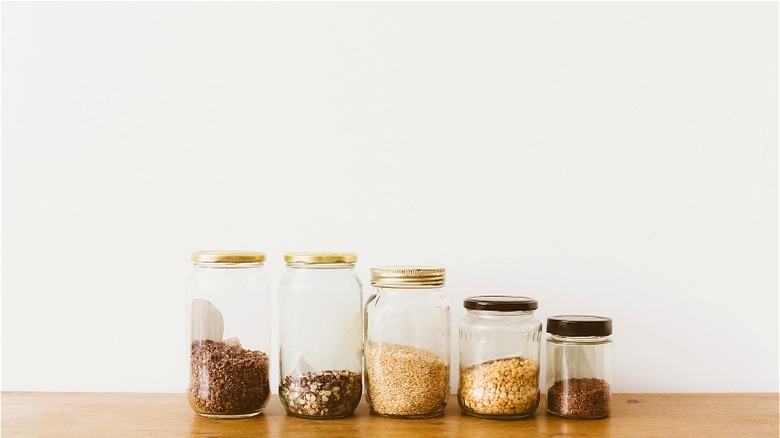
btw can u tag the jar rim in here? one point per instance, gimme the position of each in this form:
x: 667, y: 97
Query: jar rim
x: 227, y: 256
x: 500, y: 303
x: 579, y: 325
x: 314, y: 258
x: 408, y: 277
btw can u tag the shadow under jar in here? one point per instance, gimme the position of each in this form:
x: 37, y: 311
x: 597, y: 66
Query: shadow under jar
x: 579, y: 366
x: 407, y: 343
x: 229, y: 334
x: 320, y: 306
x: 500, y: 341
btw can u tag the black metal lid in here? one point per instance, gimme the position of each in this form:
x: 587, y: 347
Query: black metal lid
x: 500, y: 303
x: 579, y: 325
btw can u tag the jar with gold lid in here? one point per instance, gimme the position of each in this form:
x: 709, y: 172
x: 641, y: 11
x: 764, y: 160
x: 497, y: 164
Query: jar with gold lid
x: 229, y: 334
x: 320, y: 310
x: 407, y: 342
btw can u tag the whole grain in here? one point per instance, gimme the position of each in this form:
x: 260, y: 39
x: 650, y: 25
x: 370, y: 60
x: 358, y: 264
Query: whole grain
x: 405, y: 381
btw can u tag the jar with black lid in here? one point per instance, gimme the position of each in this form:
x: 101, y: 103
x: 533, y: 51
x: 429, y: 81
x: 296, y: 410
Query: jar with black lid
x: 500, y: 343
x: 579, y: 366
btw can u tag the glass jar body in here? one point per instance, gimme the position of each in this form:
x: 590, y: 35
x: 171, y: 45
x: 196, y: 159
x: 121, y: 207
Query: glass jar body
x: 579, y: 376
x: 407, y: 352
x: 499, y: 363
x: 320, y: 310
x: 229, y: 336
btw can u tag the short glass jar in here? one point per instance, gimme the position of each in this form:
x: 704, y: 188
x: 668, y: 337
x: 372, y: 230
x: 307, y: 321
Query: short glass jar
x: 579, y: 366
x: 407, y: 342
x: 321, y: 345
x: 500, y: 341
x: 229, y: 325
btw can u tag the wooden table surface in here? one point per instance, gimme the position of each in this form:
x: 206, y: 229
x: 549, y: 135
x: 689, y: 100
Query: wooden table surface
x: 136, y: 415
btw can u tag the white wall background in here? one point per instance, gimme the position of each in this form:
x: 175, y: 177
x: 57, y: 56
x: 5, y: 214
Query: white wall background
x: 607, y: 158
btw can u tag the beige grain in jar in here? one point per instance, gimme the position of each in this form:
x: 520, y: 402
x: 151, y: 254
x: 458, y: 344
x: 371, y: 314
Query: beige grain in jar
x: 407, y: 342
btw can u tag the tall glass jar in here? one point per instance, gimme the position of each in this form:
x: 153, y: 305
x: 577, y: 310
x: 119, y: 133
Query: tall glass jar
x: 579, y: 366
x: 229, y: 325
x: 500, y: 341
x: 320, y: 307
x: 407, y: 343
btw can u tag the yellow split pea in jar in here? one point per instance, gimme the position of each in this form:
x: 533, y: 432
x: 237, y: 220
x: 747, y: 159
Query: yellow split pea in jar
x: 500, y: 340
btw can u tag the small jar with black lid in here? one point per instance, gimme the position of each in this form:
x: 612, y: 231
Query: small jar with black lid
x: 579, y: 366
x: 500, y: 341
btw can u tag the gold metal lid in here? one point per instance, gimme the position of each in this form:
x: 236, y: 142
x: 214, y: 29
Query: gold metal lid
x: 407, y: 277
x: 314, y: 258
x: 228, y: 257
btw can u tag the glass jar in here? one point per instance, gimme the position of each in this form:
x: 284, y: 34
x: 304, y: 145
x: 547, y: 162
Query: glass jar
x: 500, y: 341
x: 321, y: 346
x: 229, y: 325
x: 579, y: 366
x: 407, y: 343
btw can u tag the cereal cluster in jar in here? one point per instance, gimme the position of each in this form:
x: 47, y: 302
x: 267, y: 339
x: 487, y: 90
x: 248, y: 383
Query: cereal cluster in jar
x: 226, y: 379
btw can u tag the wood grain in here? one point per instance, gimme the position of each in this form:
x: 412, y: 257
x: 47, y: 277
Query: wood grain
x: 27, y: 414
